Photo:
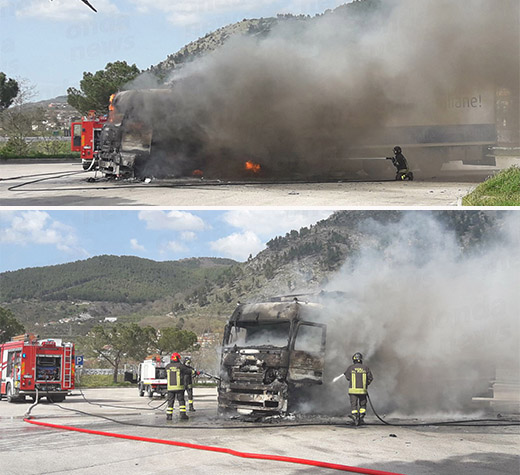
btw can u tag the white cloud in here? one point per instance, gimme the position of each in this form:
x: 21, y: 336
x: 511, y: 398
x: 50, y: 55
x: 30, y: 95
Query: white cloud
x: 65, y: 10
x: 238, y: 245
x: 268, y: 223
x: 173, y: 220
x: 188, y: 236
x: 37, y: 227
x: 174, y: 246
x: 136, y: 246
x: 191, y: 12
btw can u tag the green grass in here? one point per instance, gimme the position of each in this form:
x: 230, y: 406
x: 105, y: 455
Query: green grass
x: 106, y: 381
x: 39, y: 149
x: 503, y: 189
x: 100, y: 381
x: 31, y: 155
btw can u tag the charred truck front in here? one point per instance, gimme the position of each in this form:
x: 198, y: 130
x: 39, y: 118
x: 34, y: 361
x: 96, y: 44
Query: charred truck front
x: 271, y: 351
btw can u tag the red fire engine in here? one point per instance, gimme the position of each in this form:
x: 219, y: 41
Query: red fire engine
x: 85, y: 138
x: 29, y: 364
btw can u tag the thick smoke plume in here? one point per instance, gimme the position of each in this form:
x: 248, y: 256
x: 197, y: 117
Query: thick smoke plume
x: 302, y: 99
x: 433, y: 321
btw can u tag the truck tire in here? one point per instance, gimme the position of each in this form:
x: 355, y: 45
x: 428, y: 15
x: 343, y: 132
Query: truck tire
x: 56, y: 398
x: 149, y: 391
x: 141, y: 389
x: 11, y: 397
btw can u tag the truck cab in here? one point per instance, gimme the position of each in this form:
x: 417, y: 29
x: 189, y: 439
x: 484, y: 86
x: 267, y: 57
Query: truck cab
x: 86, y: 138
x: 271, y: 352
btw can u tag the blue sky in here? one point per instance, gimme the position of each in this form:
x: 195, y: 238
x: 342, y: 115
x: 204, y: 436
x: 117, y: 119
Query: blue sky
x: 34, y: 238
x: 51, y: 43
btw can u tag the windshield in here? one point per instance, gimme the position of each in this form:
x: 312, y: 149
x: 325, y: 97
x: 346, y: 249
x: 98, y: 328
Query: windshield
x: 275, y: 334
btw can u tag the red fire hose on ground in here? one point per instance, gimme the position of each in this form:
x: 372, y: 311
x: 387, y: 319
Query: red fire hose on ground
x: 279, y: 458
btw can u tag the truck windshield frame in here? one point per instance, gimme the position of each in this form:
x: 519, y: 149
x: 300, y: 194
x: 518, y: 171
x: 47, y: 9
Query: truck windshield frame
x: 275, y: 334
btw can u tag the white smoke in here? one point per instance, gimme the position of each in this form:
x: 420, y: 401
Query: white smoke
x: 432, y: 320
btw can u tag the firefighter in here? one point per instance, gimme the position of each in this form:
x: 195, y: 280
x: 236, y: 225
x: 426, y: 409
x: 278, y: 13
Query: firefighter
x: 175, y: 373
x: 188, y: 382
x: 400, y: 163
x: 359, y: 377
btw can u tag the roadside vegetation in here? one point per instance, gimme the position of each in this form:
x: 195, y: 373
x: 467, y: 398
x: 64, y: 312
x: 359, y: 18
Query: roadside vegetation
x: 47, y: 147
x: 502, y: 189
x: 106, y: 381
x: 100, y: 381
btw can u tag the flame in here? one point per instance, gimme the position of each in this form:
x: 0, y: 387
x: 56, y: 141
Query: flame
x: 111, y: 108
x: 254, y: 167
x: 198, y: 173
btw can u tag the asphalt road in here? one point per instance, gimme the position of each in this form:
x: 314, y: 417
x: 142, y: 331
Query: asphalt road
x: 28, y: 449
x: 40, y: 184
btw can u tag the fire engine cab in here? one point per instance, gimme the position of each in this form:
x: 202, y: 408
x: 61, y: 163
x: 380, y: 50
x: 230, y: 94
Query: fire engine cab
x: 29, y: 364
x: 85, y: 138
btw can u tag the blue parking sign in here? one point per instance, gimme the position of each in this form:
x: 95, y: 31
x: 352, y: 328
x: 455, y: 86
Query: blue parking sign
x: 79, y: 360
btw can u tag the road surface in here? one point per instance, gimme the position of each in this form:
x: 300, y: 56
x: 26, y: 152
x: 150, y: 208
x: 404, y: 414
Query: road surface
x: 432, y: 450
x: 65, y: 184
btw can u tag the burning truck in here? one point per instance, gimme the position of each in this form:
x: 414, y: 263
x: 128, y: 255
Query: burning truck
x: 154, y: 133
x: 271, y: 353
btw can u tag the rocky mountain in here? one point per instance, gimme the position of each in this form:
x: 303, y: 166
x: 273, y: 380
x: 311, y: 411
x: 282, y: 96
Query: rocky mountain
x: 200, y: 294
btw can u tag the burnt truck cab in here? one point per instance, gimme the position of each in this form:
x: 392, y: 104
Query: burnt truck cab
x: 270, y: 352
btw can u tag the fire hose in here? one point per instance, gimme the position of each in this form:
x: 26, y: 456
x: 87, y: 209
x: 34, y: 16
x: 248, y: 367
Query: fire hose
x: 279, y: 458
x: 29, y: 419
x: 236, y: 453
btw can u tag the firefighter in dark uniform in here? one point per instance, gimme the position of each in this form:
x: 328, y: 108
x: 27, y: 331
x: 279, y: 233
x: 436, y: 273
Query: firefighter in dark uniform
x: 359, y: 377
x: 400, y: 163
x: 188, y: 382
x: 175, y: 373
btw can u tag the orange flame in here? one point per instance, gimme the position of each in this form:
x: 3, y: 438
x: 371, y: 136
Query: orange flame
x: 197, y: 172
x: 254, y: 167
x: 111, y: 100
x: 111, y: 109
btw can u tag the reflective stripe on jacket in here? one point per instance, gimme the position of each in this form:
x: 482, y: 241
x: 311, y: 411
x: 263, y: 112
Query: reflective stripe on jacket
x: 359, y: 377
x: 175, y: 374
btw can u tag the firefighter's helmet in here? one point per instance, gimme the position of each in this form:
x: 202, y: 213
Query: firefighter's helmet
x: 397, y: 149
x: 357, y: 358
x: 187, y: 360
x: 175, y: 357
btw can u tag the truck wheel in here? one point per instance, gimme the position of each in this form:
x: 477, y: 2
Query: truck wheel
x: 56, y: 398
x: 149, y: 391
x: 141, y: 390
x: 11, y: 397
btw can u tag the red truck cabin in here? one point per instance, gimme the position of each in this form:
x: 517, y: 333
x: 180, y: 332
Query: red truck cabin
x: 85, y: 137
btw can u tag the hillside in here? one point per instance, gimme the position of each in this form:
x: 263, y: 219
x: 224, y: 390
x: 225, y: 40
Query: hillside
x: 199, y: 294
x: 257, y: 27
x: 124, y: 279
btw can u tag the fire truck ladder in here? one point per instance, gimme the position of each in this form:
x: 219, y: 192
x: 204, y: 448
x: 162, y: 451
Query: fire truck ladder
x: 67, y: 367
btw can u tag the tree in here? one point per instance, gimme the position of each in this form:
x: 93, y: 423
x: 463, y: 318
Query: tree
x: 171, y: 339
x: 97, y: 88
x: 114, y: 343
x: 9, y: 326
x: 19, y: 120
x: 8, y: 91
